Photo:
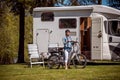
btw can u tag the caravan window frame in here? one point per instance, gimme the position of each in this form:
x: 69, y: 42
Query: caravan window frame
x: 63, y: 27
x: 109, y: 29
x: 47, y: 16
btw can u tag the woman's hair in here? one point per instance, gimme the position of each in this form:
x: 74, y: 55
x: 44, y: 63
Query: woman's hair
x: 67, y: 31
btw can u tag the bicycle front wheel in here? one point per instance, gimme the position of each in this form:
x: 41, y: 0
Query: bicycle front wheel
x: 53, y: 62
x: 80, y: 61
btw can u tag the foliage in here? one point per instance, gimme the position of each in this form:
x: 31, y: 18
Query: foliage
x: 114, y: 3
x: 9, y: 36
x: 28, y: 34
x: 77, y: 2
x: 9, y: 33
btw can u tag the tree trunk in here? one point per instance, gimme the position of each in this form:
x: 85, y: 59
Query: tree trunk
x: 21, y: 34
x: 99, y: 2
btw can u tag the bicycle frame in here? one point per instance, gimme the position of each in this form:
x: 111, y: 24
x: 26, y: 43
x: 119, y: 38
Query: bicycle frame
x: 74, y: 55
x: 74, y: 52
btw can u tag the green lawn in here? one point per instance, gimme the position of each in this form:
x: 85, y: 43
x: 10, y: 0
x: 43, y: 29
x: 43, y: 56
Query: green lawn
x: 22, y: 72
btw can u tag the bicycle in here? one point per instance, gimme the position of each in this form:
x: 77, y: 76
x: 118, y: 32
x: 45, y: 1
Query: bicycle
x: 77, y: 59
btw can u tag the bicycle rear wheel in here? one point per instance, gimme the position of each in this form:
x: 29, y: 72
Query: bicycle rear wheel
x: 53, y: 62
x: 80, y: 61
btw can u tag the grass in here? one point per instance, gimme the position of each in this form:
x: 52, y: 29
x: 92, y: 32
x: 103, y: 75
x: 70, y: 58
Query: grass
x: 22, y: 72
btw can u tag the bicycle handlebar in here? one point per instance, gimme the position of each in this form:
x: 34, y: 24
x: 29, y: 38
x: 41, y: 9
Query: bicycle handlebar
x: 73, y: 41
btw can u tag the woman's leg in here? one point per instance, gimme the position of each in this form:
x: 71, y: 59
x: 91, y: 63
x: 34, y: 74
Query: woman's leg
x: 66, y: 59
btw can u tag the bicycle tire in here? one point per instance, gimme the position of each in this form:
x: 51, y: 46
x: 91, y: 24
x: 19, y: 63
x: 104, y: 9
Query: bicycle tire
x: 81, y: 62
x: 53, y: 62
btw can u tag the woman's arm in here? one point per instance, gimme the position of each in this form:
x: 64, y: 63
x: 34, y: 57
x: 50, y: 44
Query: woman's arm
x: 64, y: 41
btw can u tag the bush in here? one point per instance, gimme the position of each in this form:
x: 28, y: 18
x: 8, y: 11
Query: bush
x: 9, y: 37
x: 28, y: 34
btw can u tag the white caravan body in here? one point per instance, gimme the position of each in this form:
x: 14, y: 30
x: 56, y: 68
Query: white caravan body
x: 96, y: 27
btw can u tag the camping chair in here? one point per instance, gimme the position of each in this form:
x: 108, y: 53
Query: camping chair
x: 34, y: 54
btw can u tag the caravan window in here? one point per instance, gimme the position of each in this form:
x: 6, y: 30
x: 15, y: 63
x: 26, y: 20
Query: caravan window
x: 114, y: 28
x: 67, y: 23
x: 47, y: 16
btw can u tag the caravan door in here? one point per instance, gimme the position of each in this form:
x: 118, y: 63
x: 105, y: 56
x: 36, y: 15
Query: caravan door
x: 96, y: 41
x: 42, y: 39
x: 85, y: 36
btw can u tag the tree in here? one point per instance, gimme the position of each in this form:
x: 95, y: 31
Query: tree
x: 21, y: 33
x: 114, y: 3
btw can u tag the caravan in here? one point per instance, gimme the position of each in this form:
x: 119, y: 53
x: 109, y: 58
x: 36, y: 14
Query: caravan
x: 96, y: 27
